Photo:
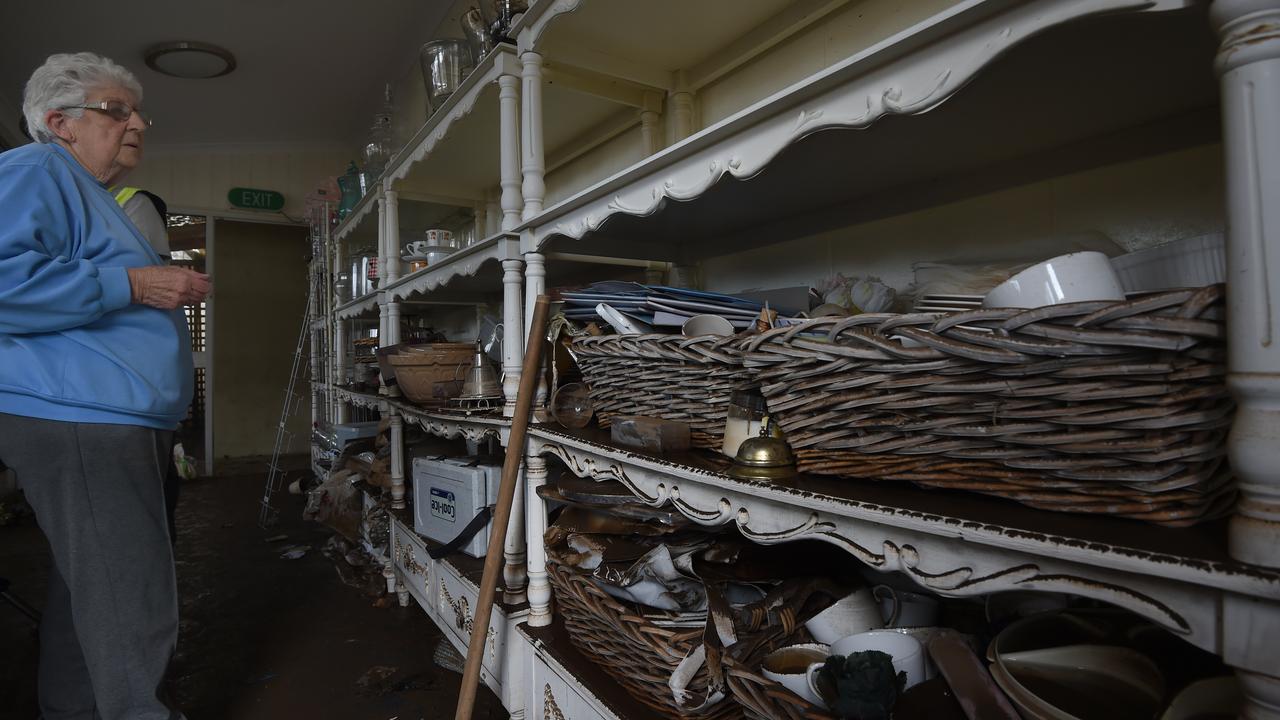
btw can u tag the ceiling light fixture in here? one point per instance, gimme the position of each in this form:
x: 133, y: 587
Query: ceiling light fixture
x: 190, y: 60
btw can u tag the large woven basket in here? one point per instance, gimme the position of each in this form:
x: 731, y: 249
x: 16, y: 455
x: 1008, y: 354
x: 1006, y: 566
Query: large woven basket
x: 665, y: 376
x: 638, y: 653
x: 1097, y: 407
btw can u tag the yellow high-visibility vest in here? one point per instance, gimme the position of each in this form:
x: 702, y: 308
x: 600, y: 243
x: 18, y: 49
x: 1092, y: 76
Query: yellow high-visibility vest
x: 125, y: 194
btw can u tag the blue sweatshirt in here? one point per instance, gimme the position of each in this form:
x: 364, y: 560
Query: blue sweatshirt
x: 72, y: 347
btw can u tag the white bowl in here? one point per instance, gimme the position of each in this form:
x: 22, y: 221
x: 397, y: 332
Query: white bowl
x: 1080, y: 682
x: 422, y: 247
x: 700, y: 325
x: 1211, y: 697
x: 1190, y: 262
x: 1075, y: 277
x: 1060, y: 666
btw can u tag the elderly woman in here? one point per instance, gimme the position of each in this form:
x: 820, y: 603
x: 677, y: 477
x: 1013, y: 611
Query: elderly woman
x: 95, y: 373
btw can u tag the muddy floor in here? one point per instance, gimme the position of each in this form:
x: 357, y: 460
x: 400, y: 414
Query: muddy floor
x: 261, y: 636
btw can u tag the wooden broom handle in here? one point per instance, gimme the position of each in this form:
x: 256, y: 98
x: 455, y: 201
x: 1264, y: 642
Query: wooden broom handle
x: 493, y: 559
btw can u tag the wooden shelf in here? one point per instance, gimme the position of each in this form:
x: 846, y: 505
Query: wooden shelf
x: 453, y: 157
x: 370, y: 401
x: 363, y: 306
x: 951, y: 543
x: 472, y: 274
x: 643, y: 42
x: 981, y: 96
x: 800, y: 161
x: 444, y: 423
x: 416, y: 214
x: 1196, y: 554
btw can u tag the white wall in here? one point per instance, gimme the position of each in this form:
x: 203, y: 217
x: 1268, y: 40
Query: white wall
x: 1136, y: 204
x: 198, y: 179
x: 589, y: 168
x: 10, y: 136
x: 837, y: 36
x: 844, y: 33
x: 260, y: 293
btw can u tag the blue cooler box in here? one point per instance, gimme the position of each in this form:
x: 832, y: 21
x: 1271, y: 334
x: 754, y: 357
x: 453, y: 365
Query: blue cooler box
x: 447, y: 494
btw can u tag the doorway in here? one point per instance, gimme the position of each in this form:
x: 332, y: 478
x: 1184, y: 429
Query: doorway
x: 188, y: 247
x: 260, y: 289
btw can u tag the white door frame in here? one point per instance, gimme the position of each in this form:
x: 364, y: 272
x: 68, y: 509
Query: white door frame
x: 210, y: 234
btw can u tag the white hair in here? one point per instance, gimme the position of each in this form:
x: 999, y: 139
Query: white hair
x: 64, y: 80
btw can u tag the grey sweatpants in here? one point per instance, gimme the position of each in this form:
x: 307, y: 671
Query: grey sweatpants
x: 111, y: 620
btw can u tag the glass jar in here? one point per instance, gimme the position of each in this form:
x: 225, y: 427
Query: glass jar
x: 445, y: 65
x: 476, y: 31
x: 747, y: 411
x: 378, y: 150
x: 351, y: 194
x: 500, y: 15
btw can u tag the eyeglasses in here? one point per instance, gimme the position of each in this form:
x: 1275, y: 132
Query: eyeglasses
x: 119, y: 111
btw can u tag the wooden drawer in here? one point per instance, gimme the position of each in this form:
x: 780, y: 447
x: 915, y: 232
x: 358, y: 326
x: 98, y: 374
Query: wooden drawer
x: 551, y: 696
x: 413, y: 566
x: 455, y: 612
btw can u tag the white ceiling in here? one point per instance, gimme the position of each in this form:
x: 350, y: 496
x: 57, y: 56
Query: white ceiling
x: 309, y: 71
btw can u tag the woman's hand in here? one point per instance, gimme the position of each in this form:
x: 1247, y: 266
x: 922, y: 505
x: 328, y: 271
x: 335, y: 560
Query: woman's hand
x: 167, y: 287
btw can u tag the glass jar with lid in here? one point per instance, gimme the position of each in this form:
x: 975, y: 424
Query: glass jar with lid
x: 747, y: 410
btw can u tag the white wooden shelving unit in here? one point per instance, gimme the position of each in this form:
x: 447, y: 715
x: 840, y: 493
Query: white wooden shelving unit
x: 600, y: 139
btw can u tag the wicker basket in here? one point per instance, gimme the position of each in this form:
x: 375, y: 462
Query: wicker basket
x: 432, y: 374
x: 665, y: 376
x: 1098, y: 407
x: 639, y: 654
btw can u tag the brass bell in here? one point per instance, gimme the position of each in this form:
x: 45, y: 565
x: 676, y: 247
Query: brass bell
x: 766, y: 457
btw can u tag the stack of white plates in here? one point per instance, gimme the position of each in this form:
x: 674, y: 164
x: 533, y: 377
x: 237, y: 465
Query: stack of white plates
x: 671, y: 619
x: 948, y: 303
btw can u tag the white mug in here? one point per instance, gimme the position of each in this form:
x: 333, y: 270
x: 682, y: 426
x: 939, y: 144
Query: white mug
x: 902, y: 608
x: 793, y: 667
x: 856, y: 612
x: 437, y: 237
x: 706, y: 324
x: 417, y: 247
x: 906, y: 651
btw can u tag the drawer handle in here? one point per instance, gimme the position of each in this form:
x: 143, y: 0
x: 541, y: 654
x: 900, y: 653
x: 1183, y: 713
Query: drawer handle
x: 461, y: 609
x: 410, y: 562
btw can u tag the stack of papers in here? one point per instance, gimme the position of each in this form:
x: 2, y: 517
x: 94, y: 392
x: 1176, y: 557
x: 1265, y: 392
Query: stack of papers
x: 667, y: 307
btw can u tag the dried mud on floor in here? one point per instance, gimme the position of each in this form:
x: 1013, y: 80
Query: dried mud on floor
x: 261, y: 637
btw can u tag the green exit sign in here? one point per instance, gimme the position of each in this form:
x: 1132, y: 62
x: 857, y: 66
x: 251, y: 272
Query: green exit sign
x: 253, y: 199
